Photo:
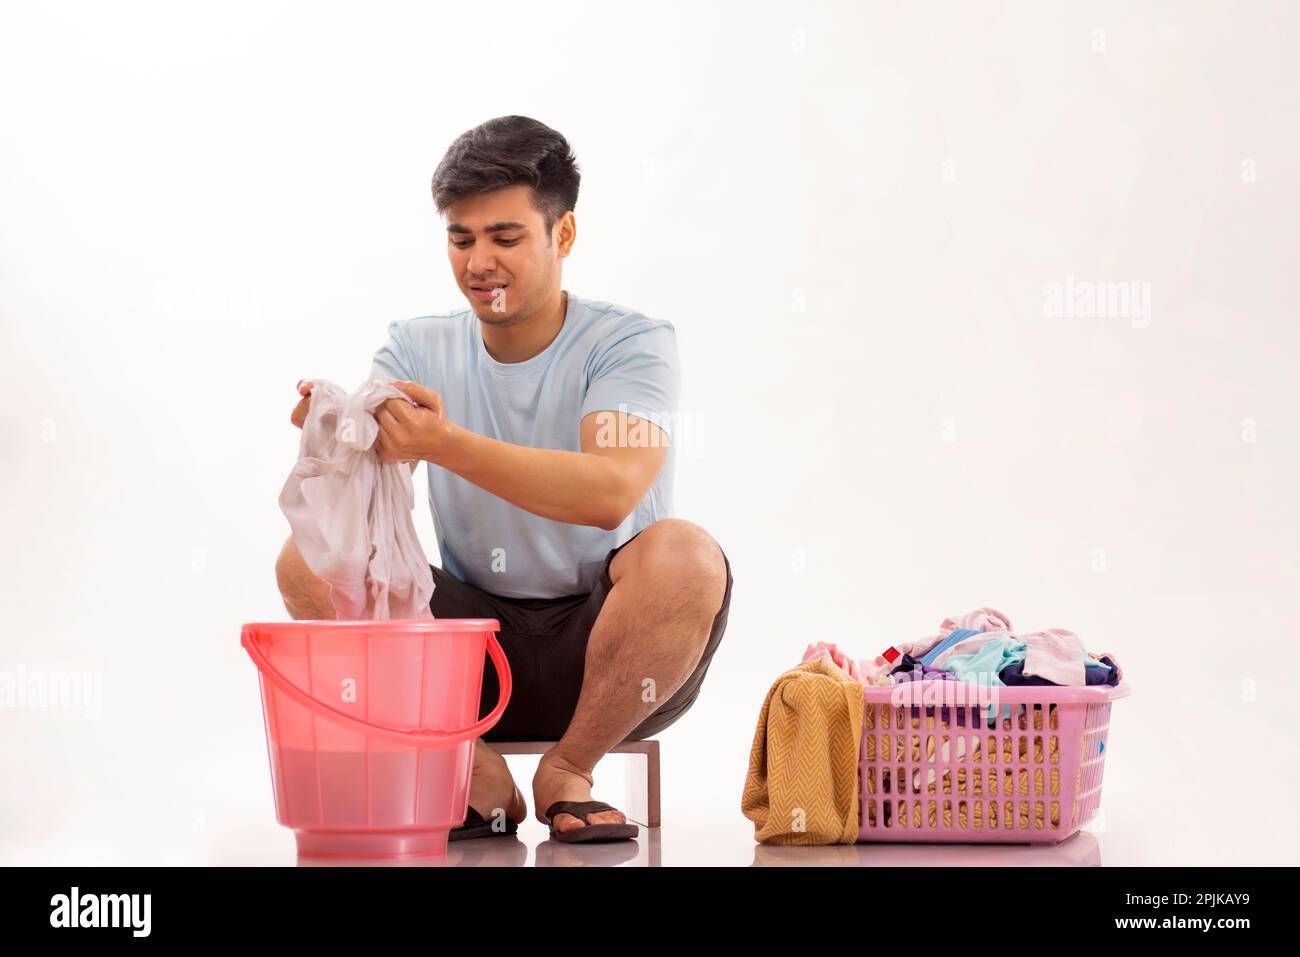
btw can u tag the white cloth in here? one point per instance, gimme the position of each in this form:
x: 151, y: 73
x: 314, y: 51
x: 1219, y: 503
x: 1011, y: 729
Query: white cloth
x: 350, y: 511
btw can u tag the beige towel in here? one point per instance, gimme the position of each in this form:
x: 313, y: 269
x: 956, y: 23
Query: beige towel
x: 802, y: 785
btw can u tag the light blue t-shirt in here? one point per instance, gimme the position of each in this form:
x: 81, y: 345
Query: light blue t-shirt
x: 605, y: 358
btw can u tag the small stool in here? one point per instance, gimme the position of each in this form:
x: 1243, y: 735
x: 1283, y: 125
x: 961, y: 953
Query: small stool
x: 642, y: 778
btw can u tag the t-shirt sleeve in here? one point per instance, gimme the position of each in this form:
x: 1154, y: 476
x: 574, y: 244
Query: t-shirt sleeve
x: 393, y: 359
x: 637, y: 372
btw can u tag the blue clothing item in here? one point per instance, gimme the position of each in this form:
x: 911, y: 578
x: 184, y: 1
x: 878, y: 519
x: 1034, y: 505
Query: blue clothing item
x: 961, y: 634
x: 1103, y: 674
x: 985, y: 664
x: 605, y: 358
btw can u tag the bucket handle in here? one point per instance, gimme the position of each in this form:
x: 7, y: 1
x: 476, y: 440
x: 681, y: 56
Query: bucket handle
x: 427, y: 739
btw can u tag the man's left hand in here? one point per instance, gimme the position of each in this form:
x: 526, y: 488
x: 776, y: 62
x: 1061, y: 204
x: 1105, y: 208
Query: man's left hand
x: 422, y: 431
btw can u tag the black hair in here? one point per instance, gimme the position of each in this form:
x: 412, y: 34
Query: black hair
x: 506, y: 151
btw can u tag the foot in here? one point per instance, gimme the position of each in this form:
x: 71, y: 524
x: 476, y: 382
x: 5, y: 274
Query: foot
x: 492, y: 790
x: 560, y: 780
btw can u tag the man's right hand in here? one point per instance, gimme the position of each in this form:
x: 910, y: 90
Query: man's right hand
x: 299, y: 414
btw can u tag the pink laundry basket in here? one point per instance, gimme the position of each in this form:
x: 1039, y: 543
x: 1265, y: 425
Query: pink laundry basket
x: 936, y: 764
x: 370, y: 728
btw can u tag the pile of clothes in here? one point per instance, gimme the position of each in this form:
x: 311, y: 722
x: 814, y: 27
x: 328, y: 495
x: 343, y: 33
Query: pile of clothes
x: 803, y: 785
x: 981, y: 647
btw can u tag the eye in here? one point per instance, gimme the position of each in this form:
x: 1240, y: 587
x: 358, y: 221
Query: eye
x: 503, y: 242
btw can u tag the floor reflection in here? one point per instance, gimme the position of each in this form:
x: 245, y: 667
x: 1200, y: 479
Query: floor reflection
x: 509, y: 851
x: 1081, y: 850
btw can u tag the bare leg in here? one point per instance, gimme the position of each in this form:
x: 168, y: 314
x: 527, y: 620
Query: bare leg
x: 649, y: 636
x: 305, y: 596
x: 492, y: 790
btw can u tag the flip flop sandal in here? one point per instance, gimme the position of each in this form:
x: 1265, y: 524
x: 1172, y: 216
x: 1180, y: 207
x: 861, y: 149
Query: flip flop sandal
x: 589, y: 833
x: 478, y: 826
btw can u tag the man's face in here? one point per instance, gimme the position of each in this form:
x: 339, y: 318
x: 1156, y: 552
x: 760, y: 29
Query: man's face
x: 499, y: 254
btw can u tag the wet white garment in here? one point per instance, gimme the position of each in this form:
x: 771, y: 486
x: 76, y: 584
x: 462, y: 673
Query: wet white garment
x: 350, y: 511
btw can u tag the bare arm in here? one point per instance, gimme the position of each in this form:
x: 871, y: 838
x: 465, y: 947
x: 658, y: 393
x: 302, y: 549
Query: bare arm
x: 600, y: 485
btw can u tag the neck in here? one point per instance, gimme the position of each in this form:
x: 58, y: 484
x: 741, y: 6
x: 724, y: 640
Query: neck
x: 526, y: 335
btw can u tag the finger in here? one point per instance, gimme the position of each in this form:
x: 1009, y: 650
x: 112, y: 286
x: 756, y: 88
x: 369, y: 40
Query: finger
x: 400, y: 410
x: 299, y: 414
x: 423, y: 396
x: 304, y: 386
x: 385, y: 418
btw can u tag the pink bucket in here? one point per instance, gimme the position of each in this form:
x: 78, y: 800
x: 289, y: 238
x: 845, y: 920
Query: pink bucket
x: 370, y: 728
x: 937, y: 765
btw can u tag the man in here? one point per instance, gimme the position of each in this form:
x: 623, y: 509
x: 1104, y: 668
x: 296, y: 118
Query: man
x: 546, y: 422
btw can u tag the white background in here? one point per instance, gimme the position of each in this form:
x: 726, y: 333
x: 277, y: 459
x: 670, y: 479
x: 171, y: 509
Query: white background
x: 849, y: 211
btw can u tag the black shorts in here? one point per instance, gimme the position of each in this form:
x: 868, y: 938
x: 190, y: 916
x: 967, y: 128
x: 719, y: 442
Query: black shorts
x: 545, y: 642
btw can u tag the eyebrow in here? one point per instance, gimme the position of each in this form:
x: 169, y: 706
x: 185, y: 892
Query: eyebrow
x: 494, y: 228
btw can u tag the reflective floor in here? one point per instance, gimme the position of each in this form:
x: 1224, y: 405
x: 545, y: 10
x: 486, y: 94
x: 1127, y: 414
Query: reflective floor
x: 654, y: 849
x: 205, y: 807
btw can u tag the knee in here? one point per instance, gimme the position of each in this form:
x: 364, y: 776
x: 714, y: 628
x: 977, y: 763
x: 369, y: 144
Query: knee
x: 304, y: 594
x: 289, y: 567
x: 684, y: 559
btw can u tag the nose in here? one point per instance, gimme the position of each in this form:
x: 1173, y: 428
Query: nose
x: 481, y: 263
